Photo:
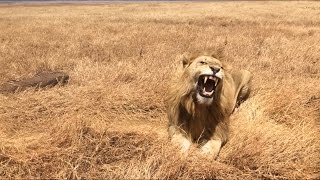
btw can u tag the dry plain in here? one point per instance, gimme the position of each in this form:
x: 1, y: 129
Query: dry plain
x: 110, y: 122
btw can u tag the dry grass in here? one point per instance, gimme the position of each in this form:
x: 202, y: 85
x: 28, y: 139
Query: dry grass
x: 110, y: 121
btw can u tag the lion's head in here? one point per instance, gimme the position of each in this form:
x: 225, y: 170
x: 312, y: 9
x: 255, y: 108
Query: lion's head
x: 205, y: 75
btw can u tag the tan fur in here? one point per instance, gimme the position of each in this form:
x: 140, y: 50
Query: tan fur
x: 191, y: 121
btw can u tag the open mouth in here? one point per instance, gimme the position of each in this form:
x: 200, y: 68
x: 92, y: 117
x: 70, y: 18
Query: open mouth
x: 206, y: 85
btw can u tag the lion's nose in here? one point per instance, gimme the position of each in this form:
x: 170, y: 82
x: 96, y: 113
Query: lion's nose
x: 215, y: 70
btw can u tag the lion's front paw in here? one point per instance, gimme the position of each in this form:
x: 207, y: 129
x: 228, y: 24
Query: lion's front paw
x: 182, y: 142
x: 185, y: 145
x: 211, y: 148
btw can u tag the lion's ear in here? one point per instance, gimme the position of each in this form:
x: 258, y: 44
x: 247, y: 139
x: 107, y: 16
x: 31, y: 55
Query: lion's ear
x: 185, y: 58
x: 218, y: 53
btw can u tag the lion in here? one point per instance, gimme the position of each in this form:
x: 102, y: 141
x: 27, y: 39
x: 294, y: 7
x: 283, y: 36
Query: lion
x: 201, y: 99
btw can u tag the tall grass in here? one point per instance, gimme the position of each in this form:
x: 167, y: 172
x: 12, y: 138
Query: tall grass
x: 110, y: 121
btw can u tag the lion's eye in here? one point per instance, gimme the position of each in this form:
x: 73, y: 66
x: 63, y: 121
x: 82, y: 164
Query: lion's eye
x: 202, y: 62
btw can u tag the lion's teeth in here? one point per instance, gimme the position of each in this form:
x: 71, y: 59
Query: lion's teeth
x: 216, y: 82
x: 213, y: 78
x: 205, y: 79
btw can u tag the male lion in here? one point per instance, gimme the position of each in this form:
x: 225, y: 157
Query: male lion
x: 200, y: 101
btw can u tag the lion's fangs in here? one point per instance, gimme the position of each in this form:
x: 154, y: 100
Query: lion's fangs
x: 207, y: 93
x: 216, y: 82
x: 215, y: 79
x: 205, y: 79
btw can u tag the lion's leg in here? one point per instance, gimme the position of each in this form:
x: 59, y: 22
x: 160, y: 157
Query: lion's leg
x: 212, y: 148
x: 244, y: 93
x: 177, y: 138
x: 245, y: 89
x: 219, y: 137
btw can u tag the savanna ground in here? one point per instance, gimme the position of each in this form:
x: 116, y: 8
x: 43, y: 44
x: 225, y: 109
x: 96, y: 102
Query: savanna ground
x: 110, y: 121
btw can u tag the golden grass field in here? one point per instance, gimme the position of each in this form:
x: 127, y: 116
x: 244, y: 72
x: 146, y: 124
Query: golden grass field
x: 110, y: 122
